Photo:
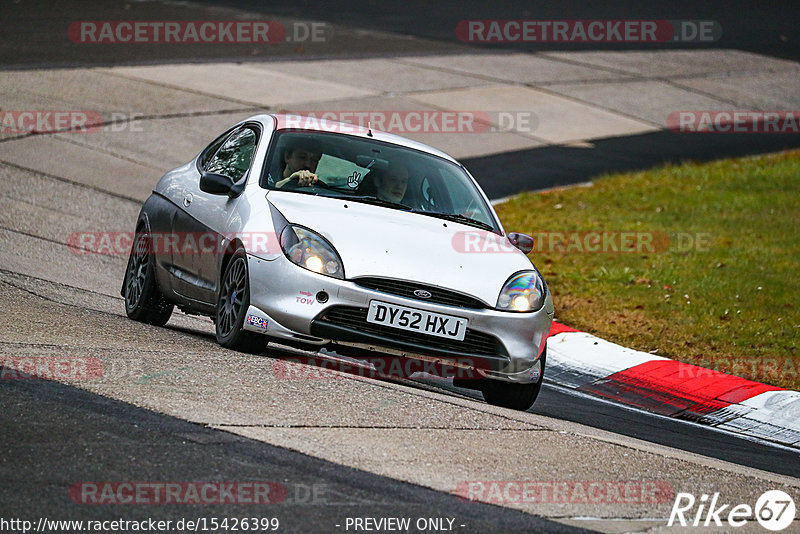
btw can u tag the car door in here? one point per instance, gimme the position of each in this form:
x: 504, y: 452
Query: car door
x: 203, y: 218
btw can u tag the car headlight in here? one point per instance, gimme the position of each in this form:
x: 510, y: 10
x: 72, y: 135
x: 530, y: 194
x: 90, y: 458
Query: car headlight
x: 524, y: 292
x: 311, y: 251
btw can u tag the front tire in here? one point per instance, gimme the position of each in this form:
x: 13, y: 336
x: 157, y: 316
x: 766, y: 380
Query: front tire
x: 232, y: 305
x: 144, y: 301
x: 513, y: 395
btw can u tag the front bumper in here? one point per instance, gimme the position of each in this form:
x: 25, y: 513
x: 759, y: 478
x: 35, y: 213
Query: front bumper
x: 285, y: 300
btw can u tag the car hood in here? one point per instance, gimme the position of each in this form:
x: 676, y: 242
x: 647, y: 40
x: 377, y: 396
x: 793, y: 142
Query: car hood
x: 385, y: 242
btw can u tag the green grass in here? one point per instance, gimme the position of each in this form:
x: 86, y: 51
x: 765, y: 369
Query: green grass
x: 731, y: 304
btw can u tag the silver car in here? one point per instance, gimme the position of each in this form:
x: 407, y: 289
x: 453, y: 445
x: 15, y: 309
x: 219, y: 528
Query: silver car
x: 328, y: 235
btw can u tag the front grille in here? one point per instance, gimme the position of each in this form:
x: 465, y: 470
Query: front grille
x: 355, y: 320
x: 403, y: 288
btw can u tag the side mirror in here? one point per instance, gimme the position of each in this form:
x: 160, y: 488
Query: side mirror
x: 216, y: 184
x: 523, y: 242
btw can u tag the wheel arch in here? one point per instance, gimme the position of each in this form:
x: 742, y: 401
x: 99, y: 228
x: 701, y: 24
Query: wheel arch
x: 232, y: 246
x: 142, y: 222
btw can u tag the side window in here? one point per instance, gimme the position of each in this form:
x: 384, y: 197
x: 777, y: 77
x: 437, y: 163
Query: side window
x: 235, y: 155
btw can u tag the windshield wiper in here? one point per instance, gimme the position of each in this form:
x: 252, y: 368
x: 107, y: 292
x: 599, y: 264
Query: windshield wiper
x: 368, y: 199
x: 456, y: 217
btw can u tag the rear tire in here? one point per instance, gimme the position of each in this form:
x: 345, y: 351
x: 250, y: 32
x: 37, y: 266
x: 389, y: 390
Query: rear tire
x: 232, y: 305
x: 513, y: 395
x: 144, y: 301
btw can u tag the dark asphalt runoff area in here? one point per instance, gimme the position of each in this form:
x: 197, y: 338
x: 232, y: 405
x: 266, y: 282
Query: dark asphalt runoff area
x: 509, y: 173
x: 55, y: 436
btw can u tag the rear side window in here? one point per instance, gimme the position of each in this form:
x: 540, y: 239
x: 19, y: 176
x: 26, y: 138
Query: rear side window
x: 211, y: 149
x: 234, y: 155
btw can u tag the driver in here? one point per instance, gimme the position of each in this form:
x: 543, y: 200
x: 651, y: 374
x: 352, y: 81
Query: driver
x: 300, y: 161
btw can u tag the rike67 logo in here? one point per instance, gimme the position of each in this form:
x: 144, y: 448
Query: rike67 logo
x: 774, y: 510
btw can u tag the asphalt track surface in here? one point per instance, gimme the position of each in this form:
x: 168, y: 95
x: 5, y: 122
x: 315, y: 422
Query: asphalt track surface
x: 54, y: 434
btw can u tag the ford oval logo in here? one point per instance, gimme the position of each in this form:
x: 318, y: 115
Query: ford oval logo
x: 421, y: 293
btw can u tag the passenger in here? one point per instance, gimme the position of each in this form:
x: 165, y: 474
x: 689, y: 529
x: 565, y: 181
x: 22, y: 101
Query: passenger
x: 392, y: 184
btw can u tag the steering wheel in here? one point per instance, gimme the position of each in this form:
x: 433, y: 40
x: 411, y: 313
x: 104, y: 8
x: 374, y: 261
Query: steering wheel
x: 294, y: 185
x: 322, y: 185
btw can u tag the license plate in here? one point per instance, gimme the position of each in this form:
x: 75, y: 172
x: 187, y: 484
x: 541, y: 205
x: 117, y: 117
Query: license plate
x: 434, y: 324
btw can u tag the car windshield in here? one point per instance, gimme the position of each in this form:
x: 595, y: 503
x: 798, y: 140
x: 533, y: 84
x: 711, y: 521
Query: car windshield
x: 374, y: 172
